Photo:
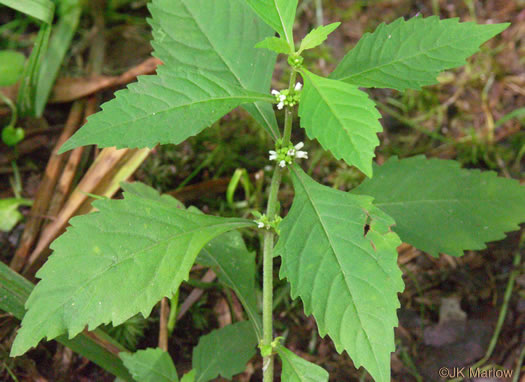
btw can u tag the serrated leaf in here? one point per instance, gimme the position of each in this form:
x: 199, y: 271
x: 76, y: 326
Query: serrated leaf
x: 410, y: 54
x: 142, y: 191
x: 14, y: 291
x: 279, y: 14
x: 342, y: 118
x: 275, y: 44
x: 115, y: 263
x: 150, y: 365
x: 235, y: 267
x: 217, y: 37
x: 210, y: 67
x: 347, y: 279
x: 317, y: 36
x: 224, y: 352
x: 440, y: 208
x: 166, y: 108
x: 297, y: 369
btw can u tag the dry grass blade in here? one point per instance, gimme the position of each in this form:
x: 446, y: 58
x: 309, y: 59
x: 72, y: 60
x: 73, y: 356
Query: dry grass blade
x: 45, y: 190
x: 163, y: 324
x: 103, y: 178
x: 195, y: 294
x: 69, y: 89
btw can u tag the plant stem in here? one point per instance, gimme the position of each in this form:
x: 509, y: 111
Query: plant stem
x: 268, y: 276
x: 288, y: 116
x: 271, y: 211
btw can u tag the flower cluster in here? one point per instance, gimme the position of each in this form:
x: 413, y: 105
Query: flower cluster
x: 287, y: 98
x: 286, y: 155
x: 264, y: 222
x: 295, y: 61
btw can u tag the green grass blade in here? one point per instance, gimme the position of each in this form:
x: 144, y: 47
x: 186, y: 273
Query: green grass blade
x: 27, y: 91
x: 42, y: 10
x: 59, y: 44
x: 517, y: 113
x: 14, y: 291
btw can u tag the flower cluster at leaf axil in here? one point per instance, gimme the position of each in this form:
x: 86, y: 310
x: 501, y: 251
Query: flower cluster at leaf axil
x: 264, y: 222
x: 285, y: 155
x: 286, y: 97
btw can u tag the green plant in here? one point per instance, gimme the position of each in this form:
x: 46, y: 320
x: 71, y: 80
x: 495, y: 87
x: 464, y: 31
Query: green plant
x: 338, y: 249
x: 38, y: 74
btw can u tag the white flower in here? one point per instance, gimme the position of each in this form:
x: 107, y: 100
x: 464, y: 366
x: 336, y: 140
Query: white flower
x: 299, y: 146
x: 280, y: 105
x: 260, y: 224
x: 273, y: 155
x: 291, y: 152
x: 282, y: 98
x: 301, y: 155
x: 298, y: 86
x: 275, y: 92
x: 282, y: 163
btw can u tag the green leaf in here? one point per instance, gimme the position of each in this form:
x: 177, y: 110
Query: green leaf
x: 26, y: 97
x: 217, y: 37
x: 113, y: 264
x: 59, y: 44
x: 297, y: 369
x: 142, y: 191
x: 317, y: 36
x: 14, y: 291
x: 189, y: 376
x: 9, y: 214
x: 150, y: 365
x: 410, y: 54
x: 11, y: 67
x: 42, y: 10
x: 279, y: 14
x: 439, y: 207
x: 166, y: 108
x: 224, y: 352
x: 347, y: 278
x: 275, y: 44
x: 234, y: 265
x: 342, y: 118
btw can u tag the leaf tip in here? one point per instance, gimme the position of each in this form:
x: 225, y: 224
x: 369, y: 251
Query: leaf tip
x: 19, y: 346
x: 66, y: 146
